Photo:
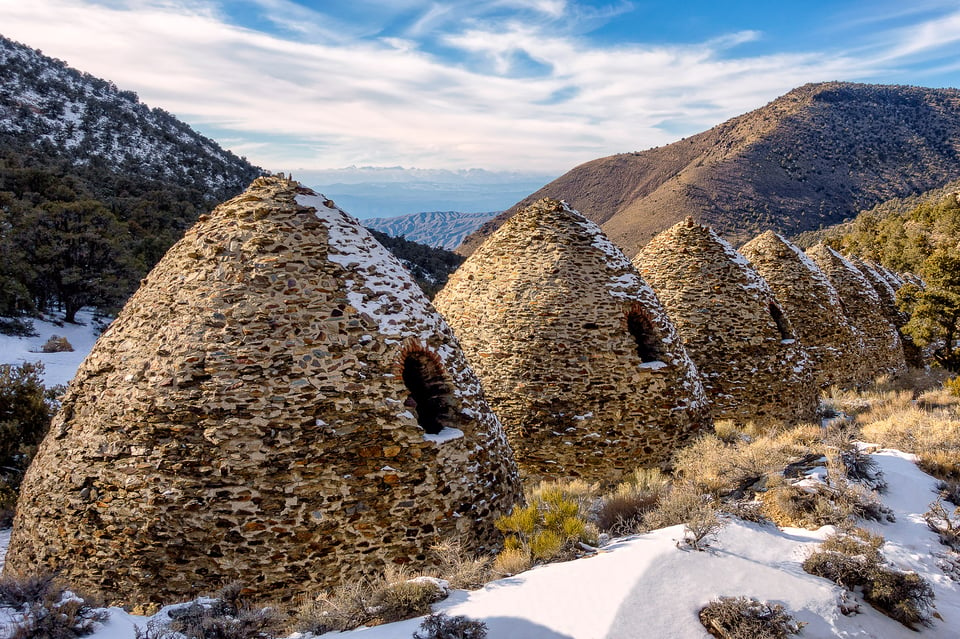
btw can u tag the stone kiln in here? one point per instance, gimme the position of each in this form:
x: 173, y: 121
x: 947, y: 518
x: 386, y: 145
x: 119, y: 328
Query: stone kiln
x: 576, y: 355
x: 882, y: 350
x: 887, y: 292
x: 812, y: 305
x: 753, y: 368
x: 278, y: 404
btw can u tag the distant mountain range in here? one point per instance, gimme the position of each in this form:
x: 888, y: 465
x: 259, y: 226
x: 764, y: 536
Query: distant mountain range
x: 444, y: 229
x: 809, y: 159
x: 388, y: 191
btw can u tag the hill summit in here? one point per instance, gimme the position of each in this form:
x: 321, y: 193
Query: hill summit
x: 810, y: 158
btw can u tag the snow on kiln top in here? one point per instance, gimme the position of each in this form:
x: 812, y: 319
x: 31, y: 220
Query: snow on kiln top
x: 387, y: 291
x: 687, y: 236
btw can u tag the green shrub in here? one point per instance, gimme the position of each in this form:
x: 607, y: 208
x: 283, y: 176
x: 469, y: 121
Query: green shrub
x: 952, y: 386
x: 548, y: 529
x: 743, y: 618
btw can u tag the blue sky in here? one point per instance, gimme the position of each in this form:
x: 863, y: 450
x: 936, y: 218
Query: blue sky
x: 534, y: 86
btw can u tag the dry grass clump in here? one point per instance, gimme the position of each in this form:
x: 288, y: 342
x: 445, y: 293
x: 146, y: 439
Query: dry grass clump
x: 440, y: 626
x: 944, y: 523
x: 852, y: 559
x: 56, y: 344
x: 743, y: 618
x: 932, y: 435
x: 686, y: 504
x: 723, y: 469
x: 621, y: 511
x: 549, y: 528
x: 812, y: 505
x: 47, y: 608
x: 370, y: 602
x: 885, y: 395
x: 459, y: 567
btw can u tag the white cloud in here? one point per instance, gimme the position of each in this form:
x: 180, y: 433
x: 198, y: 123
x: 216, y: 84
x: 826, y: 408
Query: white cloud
x: 335, y: 98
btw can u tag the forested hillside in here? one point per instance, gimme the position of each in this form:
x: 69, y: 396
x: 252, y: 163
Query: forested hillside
x: 94, y: 185
x: 919, y: 235
x: 430, y: 266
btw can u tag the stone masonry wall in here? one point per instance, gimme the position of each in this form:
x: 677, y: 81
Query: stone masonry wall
x: 882, y: 350
x: 576, y: 355
x: 731, y: 325
x: 813, y: 307
x: 246, y: 417
x: 887, y: 293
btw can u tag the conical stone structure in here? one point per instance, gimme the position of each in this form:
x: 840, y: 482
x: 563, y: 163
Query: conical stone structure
x: 812, y: 305
x: 576, y: 355
x: 882, y: 349
x: 883, y: 288
x: 894, y: 279
x: 278, y: 404
x: 887, y: 293
x: 732, y: 326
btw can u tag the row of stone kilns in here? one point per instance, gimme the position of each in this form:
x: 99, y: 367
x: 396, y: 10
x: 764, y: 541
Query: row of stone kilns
x: 590, y: 372
x: 279, y: 404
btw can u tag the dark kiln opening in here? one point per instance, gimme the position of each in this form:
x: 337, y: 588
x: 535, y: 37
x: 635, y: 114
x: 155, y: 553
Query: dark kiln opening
x: 640, y: 326
x: 780, y: 321
x: 423, y: 377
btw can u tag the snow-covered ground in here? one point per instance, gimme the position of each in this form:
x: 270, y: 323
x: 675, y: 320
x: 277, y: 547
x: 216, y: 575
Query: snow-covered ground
x: 651, y: 586
x: 59, y: 368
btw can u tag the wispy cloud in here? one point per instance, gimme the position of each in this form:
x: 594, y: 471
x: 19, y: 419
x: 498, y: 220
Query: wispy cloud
x: 509, y: 90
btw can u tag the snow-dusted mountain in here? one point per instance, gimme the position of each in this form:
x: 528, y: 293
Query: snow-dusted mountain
x: 55, y: 110
x: 445, y: 229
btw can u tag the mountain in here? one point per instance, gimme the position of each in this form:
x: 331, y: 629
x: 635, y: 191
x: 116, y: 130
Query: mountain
x: 445, y: 229
x: 94, y: 185
x: 429, y: 265
x: 916, y: 223
x: 371, y: 191
x: 810, y: 158
x: 58, y: 111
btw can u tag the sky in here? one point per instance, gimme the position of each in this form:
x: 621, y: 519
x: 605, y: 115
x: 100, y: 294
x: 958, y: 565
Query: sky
x: 534, y: 86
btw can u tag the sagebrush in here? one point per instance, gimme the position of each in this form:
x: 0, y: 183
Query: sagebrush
x: 747, y: 618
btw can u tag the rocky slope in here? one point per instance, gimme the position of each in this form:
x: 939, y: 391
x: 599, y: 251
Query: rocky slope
x: 56, y: 110
x: 445, y: 229
x: 810, y: 158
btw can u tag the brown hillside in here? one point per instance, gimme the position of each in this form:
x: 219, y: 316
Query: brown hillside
x: 810, y: 158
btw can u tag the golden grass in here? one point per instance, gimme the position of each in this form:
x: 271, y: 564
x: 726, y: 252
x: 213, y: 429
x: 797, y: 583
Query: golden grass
x: 719, y: 467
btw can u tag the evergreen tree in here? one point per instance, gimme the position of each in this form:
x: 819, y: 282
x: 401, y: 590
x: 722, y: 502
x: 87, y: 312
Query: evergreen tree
x: 935, y: 310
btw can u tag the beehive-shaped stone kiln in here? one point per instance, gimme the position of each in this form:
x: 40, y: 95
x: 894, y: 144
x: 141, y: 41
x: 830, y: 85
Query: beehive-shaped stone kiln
x: 576, y: 355
x: 732, y: 326
x: 883, y: 288
x: 813, y: 306
x: 894, y: 279
x: 278, y: 404
x: 882, y: 350
x: 887, y: 293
